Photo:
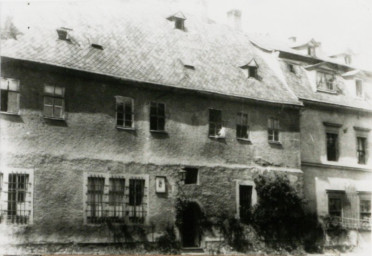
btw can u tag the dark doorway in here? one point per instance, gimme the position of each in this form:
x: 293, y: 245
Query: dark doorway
x: 245, y: 202
x: 191, y: 225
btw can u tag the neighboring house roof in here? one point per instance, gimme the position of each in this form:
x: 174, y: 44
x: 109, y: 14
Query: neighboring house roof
x: 142, y: 45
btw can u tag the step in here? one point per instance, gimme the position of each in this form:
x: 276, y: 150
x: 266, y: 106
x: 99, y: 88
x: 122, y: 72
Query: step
x: 192, y: 251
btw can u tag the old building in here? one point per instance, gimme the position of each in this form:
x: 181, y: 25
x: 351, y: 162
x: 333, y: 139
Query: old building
x: 335, y: 130
x: 102, y: 122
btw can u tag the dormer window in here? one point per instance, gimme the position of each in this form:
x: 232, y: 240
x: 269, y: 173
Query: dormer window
x: 63, y: 33
x: 179, y: 20
x: 311, y: 51
x: 359, y: 88
x: 251, y: 69
x: 97, y: 46
x: 347, y: 59
x: 325, y: 81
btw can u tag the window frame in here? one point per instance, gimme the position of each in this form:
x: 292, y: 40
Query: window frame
x: 27, y: 202
x: 9, y: 90
x: 274, y: 130
x: 121, y: 100
x: 359, y: 88
x: 364, y: 150
x: 240, y: 126
x: 54, y: 97
x: 216, y: 124
x: 157, y: 116
x: 127, y: 209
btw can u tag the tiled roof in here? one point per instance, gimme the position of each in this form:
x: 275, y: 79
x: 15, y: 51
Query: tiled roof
x: 142, y: 45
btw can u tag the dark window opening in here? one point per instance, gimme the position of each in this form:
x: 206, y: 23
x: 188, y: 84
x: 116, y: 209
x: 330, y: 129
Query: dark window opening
x: 332, y: 147
x: 18, y: 211
x: 54, y: 102
x: 9, y: 95
x: 245, y: 202
x: 361, y: 149
x: 191, y: 176
x: 252, y: 72
x: 215, y: 122
x: 365, y: 210
x: 116, y: 199
x: 335, y: 207
x: 95, y: 206
x: 273, y: 130
x: 242, y: 128
x: 124, y: 112
x: 137, y: 206
x: 157, y: 116
x: 291, y: 68
x: 179, y: 24
x: 359, y: 88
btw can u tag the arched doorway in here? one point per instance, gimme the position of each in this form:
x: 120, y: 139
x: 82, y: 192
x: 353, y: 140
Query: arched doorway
x: 190, y: 230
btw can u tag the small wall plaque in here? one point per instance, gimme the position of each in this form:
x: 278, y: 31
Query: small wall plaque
x: 160, y: 183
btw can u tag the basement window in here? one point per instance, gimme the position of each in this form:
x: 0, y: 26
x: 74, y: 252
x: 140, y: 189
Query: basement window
x: 9, y: 96
x: 116, y: 199
x: 124, y: 112
x: 95, y: 206
x: 54, y: 102
x: 157, y: 117
x: 191, y: 176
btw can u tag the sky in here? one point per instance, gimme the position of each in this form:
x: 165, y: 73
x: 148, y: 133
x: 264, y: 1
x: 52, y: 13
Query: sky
x: 338, y: 24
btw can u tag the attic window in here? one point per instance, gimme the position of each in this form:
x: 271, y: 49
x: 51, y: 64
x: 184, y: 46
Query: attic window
x: 291, y: 68
x: 347, y: 59
x: 311, y: 51
x: 63, y: 33
x: 179, y: 20
x: 189, y: 67
x: 251, y: 69
x: 97, y: 46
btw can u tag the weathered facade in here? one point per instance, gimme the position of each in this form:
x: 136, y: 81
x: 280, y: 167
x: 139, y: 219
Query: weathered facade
x: 335, y: 132
x: 102, y: 131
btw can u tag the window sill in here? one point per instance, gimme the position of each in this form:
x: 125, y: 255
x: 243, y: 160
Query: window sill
x: 125, y: 128
x: 217, y: 137
x: 244, y: 139
x: 54, y: 118
x: 158, y: 131
x: 275, y: 142
x: 327, y: 91
x: 9, y: 113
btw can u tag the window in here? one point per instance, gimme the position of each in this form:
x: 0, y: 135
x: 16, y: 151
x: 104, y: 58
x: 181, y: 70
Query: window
x: 325, y: 81
x: 116, y: 199
x: 347, y: 59
x: 252, y: 72
x: 365, y: 209
x: 359, y: 88
x: 54, y: 102
x: 332, y: 146
x: 291, y: 68
x: 273, y: 130
x: 311, y: 51
x: 242, y: 128
x: 9, y: 95
x: 111, y: 198
x: 191, y: 176
x: 157, y: 116
x: 18, y: 210
x: 245, y: 202
x: 95, y: 199
x: 361, y: 149
x: 179, y: 24
x: 335, y: 207
x: 124, y: 112
x: 215, y: 123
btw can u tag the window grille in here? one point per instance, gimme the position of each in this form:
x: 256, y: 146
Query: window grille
x: 17, y: 211
x: 54, y: 102
x: 124, y: 112
x: 9, y: 95
x: 242, y: 128
x: 215, y: 122
x: 95, y: 205
x: 273, y: 130
x: 116, y: 199
x: 157, y: 116
x: 137, y: 201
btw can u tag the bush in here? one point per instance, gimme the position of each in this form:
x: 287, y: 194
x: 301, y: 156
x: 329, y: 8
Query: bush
x: 168, y: 242
x: 279, y: 215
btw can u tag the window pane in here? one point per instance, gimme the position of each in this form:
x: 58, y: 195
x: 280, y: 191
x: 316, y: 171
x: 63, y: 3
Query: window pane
x: 58, y: 102
x: 13, y: 84
x: 215, y: 115
x: 153, y: 109
x: 58, y: 112
x: 59, y: 91
x: 153, y: 123
x: 4, y: 84
x: 13, y: 104
x: 161, y: 124
x: 48, y: 111
x: 212, y: 129
x: 4, y: 100
x: 49, y: 89
x: 128, y: 108
x: 48, y: 100
x: 161, y: 109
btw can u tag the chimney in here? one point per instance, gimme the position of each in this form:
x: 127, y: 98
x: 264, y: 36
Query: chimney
x: 234, y: 19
